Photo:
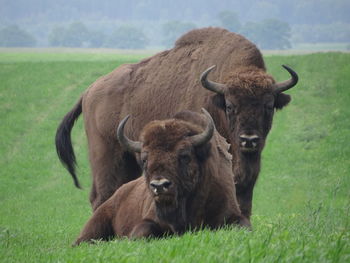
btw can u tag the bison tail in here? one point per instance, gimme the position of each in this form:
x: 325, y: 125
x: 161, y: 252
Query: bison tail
x: 63, y: 141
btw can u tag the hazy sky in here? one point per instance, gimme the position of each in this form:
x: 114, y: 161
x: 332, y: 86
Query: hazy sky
x: 293, y: 12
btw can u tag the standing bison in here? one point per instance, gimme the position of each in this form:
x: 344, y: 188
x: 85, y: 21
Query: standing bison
x: 186, y: 183
x: 242, y: 102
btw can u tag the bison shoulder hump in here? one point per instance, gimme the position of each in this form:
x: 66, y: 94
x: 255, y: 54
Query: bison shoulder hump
x: 199, y: 36
x: 208, y: 35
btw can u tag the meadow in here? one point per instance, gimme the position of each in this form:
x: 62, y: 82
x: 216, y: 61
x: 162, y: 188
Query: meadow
x: 301, y: 201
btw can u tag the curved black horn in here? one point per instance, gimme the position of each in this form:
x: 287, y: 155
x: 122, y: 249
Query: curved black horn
x: 285, y: 85
x: 205, y: 136
x: 211, y: 85
x: 130, y: 145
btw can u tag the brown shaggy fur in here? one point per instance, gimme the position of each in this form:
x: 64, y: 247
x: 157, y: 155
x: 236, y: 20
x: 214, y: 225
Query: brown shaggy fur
x: 250, y: 78
x: 202, y: 193
x: 166, y: 83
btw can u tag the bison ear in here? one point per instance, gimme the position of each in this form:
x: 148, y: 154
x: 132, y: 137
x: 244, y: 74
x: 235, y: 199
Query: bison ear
x: 219, y: 101
x: 282, y: 100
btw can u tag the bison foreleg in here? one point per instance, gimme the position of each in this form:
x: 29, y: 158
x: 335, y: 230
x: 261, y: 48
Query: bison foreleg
x: 147, y: 228
x: 99, y: 227
x: 244, y: 198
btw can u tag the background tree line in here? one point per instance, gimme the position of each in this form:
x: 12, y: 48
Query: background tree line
x: 268, y: 34
x: 13, y: 36
x: 271, y: 24
x: 78, y: 35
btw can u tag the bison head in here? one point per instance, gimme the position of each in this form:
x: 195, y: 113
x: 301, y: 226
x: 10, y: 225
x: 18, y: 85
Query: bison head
x: 249, y: 98
x: 170, y: 152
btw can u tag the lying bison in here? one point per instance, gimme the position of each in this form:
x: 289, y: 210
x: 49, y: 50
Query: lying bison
x: 242, y: 103
x: 187, y: 183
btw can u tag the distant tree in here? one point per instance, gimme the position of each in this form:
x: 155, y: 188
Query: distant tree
x: 268, y: 34
x: 335, y: 32
x: 56, y: 36
x: 96, y: 39
x: 13, y: 36
x: 275, y: 34
x: 229, y: 20
x: 252, y: 31
x: 76, y: 35
x: 127, y: 37
x: 174, y: 29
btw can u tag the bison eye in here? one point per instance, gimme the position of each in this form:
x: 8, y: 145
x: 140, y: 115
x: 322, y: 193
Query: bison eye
x: 269, y: 106
x: 143, y: 159
x: 143, y: 164
x: 230, y: 108
x: 185, y: 158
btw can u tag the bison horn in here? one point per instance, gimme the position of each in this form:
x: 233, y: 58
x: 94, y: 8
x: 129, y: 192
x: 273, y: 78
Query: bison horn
x: 130, y: 145
x: 285, y: 85
x: 205, y: 136
x: 211, y: 85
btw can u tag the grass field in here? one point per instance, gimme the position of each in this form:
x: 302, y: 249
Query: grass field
x: 301, y: 201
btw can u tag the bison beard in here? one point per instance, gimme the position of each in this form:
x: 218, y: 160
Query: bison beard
x: 175, y: 216
x: 195, y: 195
x: 241, y: 102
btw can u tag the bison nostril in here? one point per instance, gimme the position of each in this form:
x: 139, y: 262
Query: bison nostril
x: 166, y: 184
x: 154, y: 185
x: 160, y: 185
x: 250, y: 141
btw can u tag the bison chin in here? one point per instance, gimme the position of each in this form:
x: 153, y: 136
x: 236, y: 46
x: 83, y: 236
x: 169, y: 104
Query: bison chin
x: 165, y: 200
x: 248, y: 150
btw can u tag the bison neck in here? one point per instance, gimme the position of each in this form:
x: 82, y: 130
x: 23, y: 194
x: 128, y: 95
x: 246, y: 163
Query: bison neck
x: 246, y: 168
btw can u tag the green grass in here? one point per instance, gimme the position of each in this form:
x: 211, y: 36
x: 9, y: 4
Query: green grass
x: 301, y: 201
